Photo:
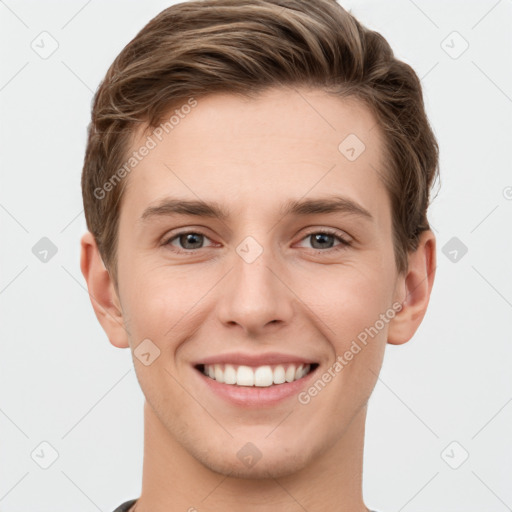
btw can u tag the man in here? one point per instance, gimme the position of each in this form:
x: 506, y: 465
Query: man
x: 255, y: 185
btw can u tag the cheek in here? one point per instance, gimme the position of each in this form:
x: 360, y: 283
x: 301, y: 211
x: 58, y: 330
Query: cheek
x: 160, y: 304
x: 350, y: 302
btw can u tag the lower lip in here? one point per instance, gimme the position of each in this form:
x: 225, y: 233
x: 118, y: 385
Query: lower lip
x: 255, y: 396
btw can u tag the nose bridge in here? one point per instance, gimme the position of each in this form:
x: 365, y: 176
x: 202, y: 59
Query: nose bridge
x: 254, y: 296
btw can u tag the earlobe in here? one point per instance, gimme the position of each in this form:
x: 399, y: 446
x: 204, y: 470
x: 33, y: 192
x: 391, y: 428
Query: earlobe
x: 416, y: 289
x: 102, y: 293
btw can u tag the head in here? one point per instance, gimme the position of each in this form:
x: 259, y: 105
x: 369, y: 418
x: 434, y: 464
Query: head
x: 264, y: 113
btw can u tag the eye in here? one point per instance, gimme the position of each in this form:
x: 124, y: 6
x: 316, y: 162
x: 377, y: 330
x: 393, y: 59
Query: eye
x: 187, y: 240
x: 322, y: 240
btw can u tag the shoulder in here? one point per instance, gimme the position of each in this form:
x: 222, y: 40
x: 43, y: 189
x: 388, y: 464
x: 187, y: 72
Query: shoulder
x: 125, y: 506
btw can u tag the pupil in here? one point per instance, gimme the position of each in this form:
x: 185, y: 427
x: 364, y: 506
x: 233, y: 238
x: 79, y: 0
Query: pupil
x: 189, y: 237
x: 321, y: 237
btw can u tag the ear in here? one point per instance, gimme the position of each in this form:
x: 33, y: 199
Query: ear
x: 414, y: 290
x: 102, y: 293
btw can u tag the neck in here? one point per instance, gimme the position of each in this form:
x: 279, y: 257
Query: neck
x: 173, y: 480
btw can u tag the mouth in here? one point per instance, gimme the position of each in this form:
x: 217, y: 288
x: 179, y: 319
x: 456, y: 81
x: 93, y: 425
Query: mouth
x: 254, y: 381
x: 256, y: 376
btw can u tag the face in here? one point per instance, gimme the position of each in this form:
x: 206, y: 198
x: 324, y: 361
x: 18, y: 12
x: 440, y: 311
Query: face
x: 287, y: 280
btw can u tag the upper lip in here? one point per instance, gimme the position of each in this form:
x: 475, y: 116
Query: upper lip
x: 238, y: 358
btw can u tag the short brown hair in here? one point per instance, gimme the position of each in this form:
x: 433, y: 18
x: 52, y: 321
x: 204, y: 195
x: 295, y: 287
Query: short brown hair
x: 197, y: 48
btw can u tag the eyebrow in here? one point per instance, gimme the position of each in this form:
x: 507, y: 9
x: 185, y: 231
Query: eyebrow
x: 333, y: 204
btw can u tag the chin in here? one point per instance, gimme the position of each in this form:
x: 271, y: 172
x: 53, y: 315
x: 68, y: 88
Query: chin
x: 276, y: 465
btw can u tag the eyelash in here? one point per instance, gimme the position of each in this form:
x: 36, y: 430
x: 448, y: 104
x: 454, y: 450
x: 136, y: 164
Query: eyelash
x: 325, y: 231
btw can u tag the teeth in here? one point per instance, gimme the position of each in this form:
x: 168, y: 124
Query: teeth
x: 279, y: 375
x: 261, y: 376
x: 229, y: 374
x: 290, y: 373
x: 244, y: 376
x: 218, y: 373
x: 299, y: 372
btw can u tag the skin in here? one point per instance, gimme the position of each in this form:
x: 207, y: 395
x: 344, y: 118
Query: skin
x: 297, y: 297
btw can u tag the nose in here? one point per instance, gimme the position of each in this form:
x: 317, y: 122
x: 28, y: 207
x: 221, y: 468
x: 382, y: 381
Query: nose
x: 255, y: 296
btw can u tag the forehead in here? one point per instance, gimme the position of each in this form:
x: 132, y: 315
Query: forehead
x: 260, y: 152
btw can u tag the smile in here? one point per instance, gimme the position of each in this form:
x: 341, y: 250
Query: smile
x: 258, y: 376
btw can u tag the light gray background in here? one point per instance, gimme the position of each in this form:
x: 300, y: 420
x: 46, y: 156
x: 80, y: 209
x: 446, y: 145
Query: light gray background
x: 63, y: 383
